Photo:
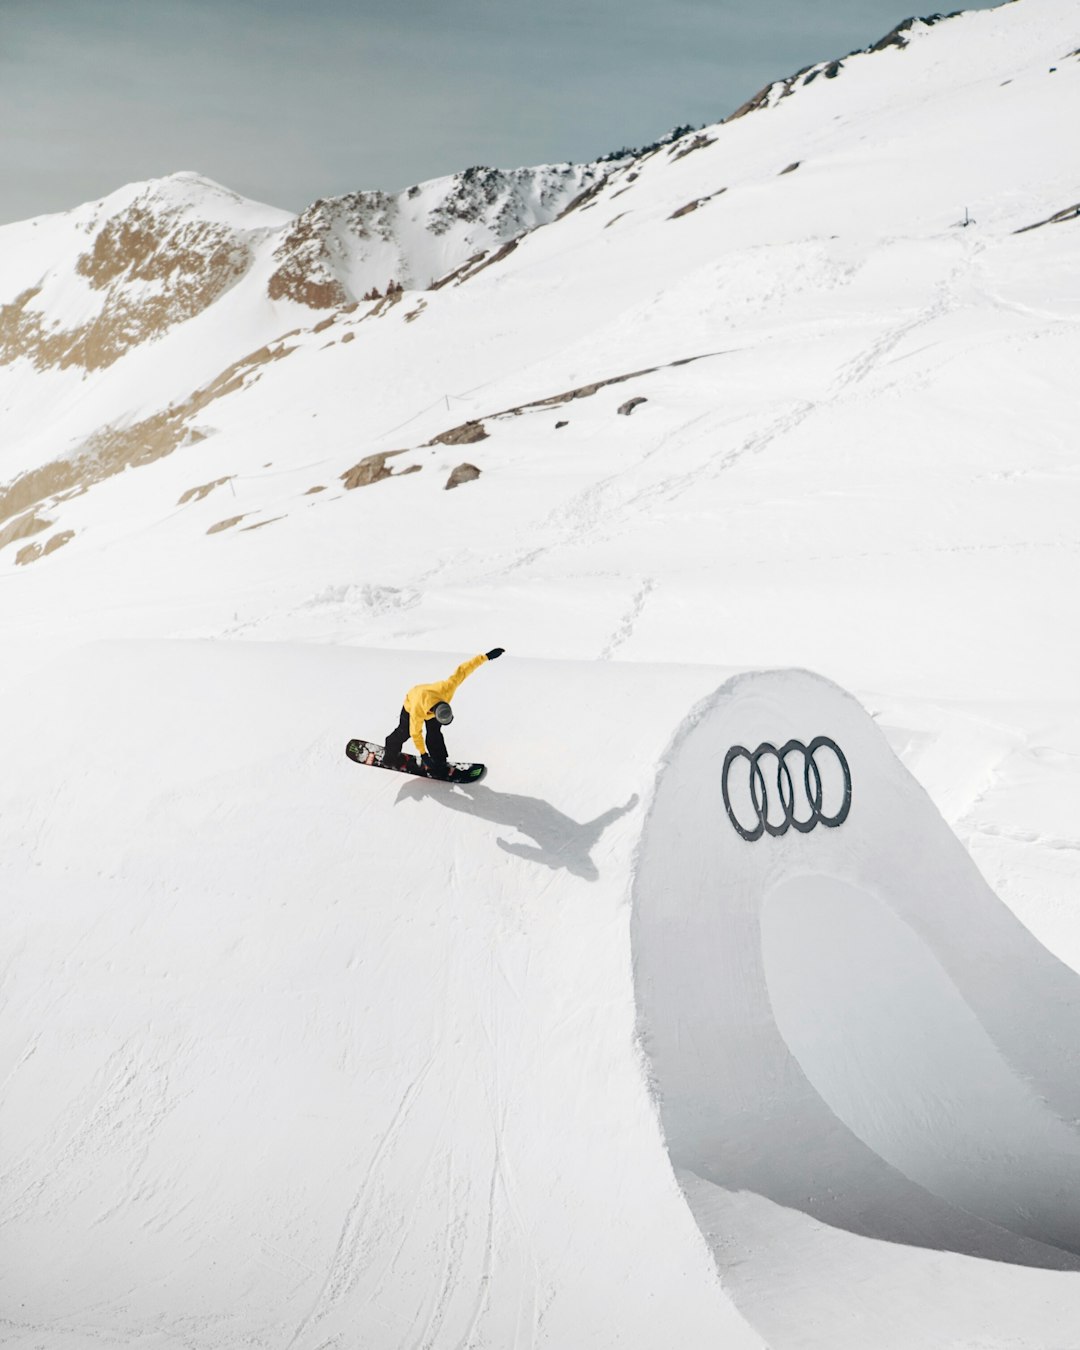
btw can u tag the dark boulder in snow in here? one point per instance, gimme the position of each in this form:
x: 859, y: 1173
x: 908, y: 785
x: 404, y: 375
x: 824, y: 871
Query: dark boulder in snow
x: 464, y: 473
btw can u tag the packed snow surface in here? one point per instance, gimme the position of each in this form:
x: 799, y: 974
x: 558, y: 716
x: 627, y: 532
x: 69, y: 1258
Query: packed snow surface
x: 299, y: 1053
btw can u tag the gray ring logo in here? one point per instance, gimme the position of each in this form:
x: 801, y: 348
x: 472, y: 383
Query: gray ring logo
x: 804, y: 815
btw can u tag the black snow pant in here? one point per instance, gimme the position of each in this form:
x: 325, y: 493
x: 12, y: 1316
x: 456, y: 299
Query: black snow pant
x: 433, y: 739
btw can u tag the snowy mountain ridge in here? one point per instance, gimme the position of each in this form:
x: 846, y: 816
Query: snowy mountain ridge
x: 159, y: 260
x: 340, y: 250
x: 160, y: 294
x: 905, y: 32
x: 125, y: 270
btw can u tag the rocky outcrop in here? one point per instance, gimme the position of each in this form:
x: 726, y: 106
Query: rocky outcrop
x: 466, y: 434
x: 343, y: 249
x: 464, y: 473
x: 149, y: 267
x: 373, y: 469
x: 899, y: 36
x: 114, y: 449
x: 1058, y: 218
x: 31, y: 552
x: 315, y: 255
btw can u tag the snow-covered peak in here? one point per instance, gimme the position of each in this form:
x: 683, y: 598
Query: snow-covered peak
x: 178, y: 294
x: 342, y: 248
x: 185, y: 194
x: 93, y: 283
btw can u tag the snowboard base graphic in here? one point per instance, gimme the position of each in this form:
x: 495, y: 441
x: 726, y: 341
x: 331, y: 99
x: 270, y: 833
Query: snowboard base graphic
x: 367, y: 752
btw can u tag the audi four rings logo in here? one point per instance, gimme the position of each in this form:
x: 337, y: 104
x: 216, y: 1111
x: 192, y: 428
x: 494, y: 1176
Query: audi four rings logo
x: 769, y: 771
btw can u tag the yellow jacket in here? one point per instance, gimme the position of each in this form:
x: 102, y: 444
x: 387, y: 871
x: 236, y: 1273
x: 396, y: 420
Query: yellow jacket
x: 421, y: 698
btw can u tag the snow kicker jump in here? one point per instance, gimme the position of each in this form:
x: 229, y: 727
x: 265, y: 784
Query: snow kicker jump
x: 846, y: 1020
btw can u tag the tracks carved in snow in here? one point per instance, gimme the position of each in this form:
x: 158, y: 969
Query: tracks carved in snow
x: 346, y: 1263
x: 625, y: 630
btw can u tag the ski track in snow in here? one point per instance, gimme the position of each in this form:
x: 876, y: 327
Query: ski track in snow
x: 608, y: 508
x: 854, y: 373
x: 625, y: 630
x: 347, y: 1263
x: 1023, y: 837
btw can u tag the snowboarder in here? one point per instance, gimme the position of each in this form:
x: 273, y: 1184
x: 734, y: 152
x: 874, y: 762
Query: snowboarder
x: 426, y: 711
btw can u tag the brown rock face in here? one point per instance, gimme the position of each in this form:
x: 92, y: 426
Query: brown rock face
x: 374, y: 469
x: 466, y: 434
x: 196, y: 494
x: 31, y: 552
x: 22, y: 527
x: 311, y: 252
x: 224, y: 524
x: 152, y: 269
x: 113, y: 449
x: 291, y: 281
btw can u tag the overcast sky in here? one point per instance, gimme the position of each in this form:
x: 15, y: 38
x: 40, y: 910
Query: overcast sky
x: 289, y: 100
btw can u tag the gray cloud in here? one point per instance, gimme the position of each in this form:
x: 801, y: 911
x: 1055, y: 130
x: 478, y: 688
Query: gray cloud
x: 287, y: 103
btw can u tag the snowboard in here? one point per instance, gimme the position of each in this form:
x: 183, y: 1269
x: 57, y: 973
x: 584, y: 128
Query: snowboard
x: 367, y: 752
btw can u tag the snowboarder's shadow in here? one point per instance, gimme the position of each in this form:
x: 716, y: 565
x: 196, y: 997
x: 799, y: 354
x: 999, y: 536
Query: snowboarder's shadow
x: 559, y: 840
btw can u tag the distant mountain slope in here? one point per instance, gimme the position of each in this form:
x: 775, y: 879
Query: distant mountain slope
x: 342, y: 248
x: 83, y: 289
x: 129, y: 268
x: 125, y: 270
x: 176, y: 315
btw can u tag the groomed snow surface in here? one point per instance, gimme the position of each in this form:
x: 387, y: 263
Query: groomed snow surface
x: 301, y: 1053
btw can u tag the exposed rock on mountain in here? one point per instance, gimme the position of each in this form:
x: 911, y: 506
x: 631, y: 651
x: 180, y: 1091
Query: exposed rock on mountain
x: 464, y: 473
x: 123, y: 321
x: 898, y: 36
x: 158, y: 260
x: 343, y: 248
x: 373, y: 469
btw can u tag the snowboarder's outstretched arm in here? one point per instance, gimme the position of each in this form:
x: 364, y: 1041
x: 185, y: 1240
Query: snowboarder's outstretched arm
x: 447, y: 688
x: 444, y: 691
x: 420, y: 701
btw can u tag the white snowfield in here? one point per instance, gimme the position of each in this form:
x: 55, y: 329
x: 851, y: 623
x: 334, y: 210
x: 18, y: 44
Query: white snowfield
x: 302, y: 1055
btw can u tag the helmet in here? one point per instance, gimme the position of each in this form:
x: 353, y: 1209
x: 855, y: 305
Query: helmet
x: 443, y: 714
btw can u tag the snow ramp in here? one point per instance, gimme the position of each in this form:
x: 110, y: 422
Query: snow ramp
x: 302, y: 1055
x: 839, y: 1014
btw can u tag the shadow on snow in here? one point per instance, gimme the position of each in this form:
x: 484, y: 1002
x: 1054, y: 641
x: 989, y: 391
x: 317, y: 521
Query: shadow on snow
x: 559, y: 841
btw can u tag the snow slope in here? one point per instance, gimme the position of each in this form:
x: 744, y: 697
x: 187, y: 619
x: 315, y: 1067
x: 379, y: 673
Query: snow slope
x: 379, y: 1088
x: 879, y: 404
x: 296, y: 1054
x: 382, y: 1086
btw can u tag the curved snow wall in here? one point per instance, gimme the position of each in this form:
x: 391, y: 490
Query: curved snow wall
x: 844, y: 1019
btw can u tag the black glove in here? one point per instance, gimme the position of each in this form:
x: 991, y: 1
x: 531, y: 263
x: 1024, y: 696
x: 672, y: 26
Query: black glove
x: 495, y: 651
